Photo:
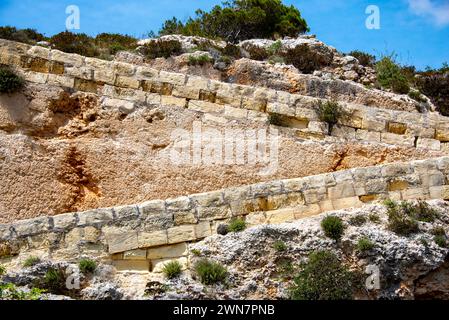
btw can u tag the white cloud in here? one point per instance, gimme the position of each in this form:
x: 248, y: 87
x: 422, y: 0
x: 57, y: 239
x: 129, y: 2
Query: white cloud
x: 437, y: 11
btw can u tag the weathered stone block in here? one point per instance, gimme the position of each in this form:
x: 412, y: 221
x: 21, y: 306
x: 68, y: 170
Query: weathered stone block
x: 442, y: 135
x: 173, y: 101
x: 137, y: 254
x: 235, y: 112
x: 352, y: 202
x: 252, y: 104
x: 151, y: 239
x: 124, y: 69
x: 315, y: 195
x: 397, y: 185
x: 154, y: 207
x: 397, y: 128
x: 88, y: 234
x: 132, y: 265
x: 146, y: 73
x: 212, y: 213
x: 196, y: 82
x: 343, y: 132
x: 431, y: 144
x: 209, y: 96
x: 31, y: 226
x: 374, y: 186
x: 181, y: 234
x: 80, y: 72
x: 307, y: 211
x: 173, y: 78
x: 64, y: 221
x: 255, y: 219
x: 69, y: 59
x: 186, y: 92
x: 372, y: 124
x: 178, y: 204
x: 396, y: 139
x: 366, y: 135
x: 62, y: 81
x: 284, y: 201
x: 203, y: 230
x: 341, y: 190
x: 95, y: 217
x: 208, y: 199
x: 127, y: 82
x: 170, y: 251
x: 416, y: 193
x: 185, y: 217
x: 126, y: 213
x: 120, y: 240
x: 280, y: 216
x: 204, y: 106
x: 86, y: 85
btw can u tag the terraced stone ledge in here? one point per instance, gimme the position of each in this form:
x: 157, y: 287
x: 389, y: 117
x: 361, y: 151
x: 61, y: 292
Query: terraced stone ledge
x: 141, y: 237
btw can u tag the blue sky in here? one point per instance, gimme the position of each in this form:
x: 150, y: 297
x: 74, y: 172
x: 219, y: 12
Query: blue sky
x: 417, y: 30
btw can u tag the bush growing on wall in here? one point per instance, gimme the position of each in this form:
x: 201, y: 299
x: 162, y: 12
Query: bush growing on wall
x: 9, y: 81
x: 238, y: 20
x: 390, y: 75
x: 29, y: 36
x: 74, y: 43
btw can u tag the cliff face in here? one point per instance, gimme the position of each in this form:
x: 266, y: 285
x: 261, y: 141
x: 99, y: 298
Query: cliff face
x: 86, y: 134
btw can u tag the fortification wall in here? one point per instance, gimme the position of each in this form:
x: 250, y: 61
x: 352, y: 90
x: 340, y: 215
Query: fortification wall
x: 128, y: 86
x: 144, y: 236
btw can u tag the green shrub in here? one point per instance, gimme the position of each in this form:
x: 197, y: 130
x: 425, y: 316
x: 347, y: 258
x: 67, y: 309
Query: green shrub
x: 9, y: 81
x: 237, y: 225
x: 416, y: 95
x: 400, y: 219
x: 275, y: 48
x: 112, y: 43
x: 162, y: 48
x: 29, y: 36
x: 364, y: 244
x: 172, y: 269
x: 357, y: 220
x: 239, y: 20
x: 329, y: 112
x: 435, y: 85
x: 196, y: 252
x: 54, y: 281
x: 424, y: 242
x: 9, y: 291
x: 79, y: 43
x: 276, y: 59
x: 2, y: 270
x: 31, y: 261
x: 323, y: 277
x: 305, y: 59
x: 87, y: 266
x: 374, y: 218
x: 200, y: 60
x: 279, y: 246
x: 389, y: 75
x: 438, y: 231
x: 440, y: 241
x: 332, y: 227
x: 210, y: 272
x: 365, y: 59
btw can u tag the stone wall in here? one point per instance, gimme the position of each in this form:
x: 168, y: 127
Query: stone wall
x: 128, y: 86
x: 142, y: 237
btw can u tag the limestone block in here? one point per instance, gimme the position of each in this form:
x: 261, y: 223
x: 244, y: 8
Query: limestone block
x: 126, y: 212
x: 236, y: 194
x: 226, y: 95
x: 208, y: 199
x: 280, y: 216
x: 132, y: 265
x: 351, y: 121
x: 396, y: 139
x: 257, y: 116
x: 255, y: 219
x: 443, y: 164
x: 363, y: 174
x: 319, y: 127
x: 366, y: 135
x: 173, y: 78
x: 97, y: 216
x: 70, y: 59
x: 343, y: 176
x: 181, y: 234
x: 89, y: 234
x: 154, y: 207
x: 185, y: 217
x: 173, y: 101
x: 38, y: 51
x: 62, y: 81
x: 416, y: 193
x: 341, y: 190
x: 204, y: 106
x: 351, y: 202
x: 294, y: 185
x: 235, y: 112
x: 137, y: 254
x: 186, y: 92
x: 207, y: 95
x: 203, y: 229
x: 170, y: 251
x: 445, y: 192
x: 181, y: 203
x: 397, y: 128
x: 374, y: 186
x: 307, y: 211
x: 80, y: 72
x: 212, y: 213
x: 396, y: 169
x: 343, y: 132
x: 196, y: 82
x: 158, y: 265
x: 212, y: 118
x: 124, y: 69
x: 283, y: 97
x: 266, y: 188
x: 397, y: 185
x: 36, y: 64
x: 86, y: 85
x: 5, y: 232
x: 146, y: 73
x: 419, y: 130
x: 285, y: 201
x: 436, y: 192
x: 103, y: 75
x: 125, y: 107
x: 153, y: 98
x: 393, y: 195
x: 31, y: 226
x: 433, y: 179
x: 315, y: 195
x: 372, y: 124
x: 431, y: 144
x: 161, y: 88
x: 151, y: 239
x: 127, y: 82
x: 120, y: 240
x: 442, y: 135
x: 326, y: 205
x: 64, y: 221
x: 252, y: 104
x: 265, y: 94
x: 34, y: 76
